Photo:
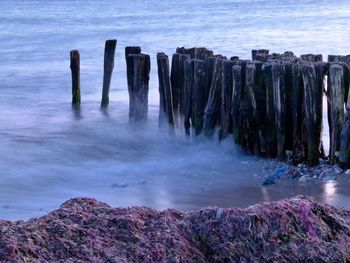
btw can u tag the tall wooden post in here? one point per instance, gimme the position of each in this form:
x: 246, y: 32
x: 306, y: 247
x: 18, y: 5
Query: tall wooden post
x: 166, y: 113
x: 109, y: 54
x: 226, y: 99
x: 128, y: 51
x: 75, y: 70
x: 336, y: 92
x: 279, y: 107
x: 271, y: 140
x: 138, y: 69
x: 213, y: 108
x: 310, y: 103
x: 198, y: 94
x: 188, y: 82
x: 238, y: 84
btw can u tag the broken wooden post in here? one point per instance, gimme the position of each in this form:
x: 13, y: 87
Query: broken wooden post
x: 249, y: 133
x: 128, y: 51
x: 181, y: 83
x: 109, y: 54
x: 138, y: 69
x: 226, y: 99
x: 166, y: 113
x: 296, y: 112
x: 259, y: 90
x: 198, y: 94
x: 311, y: 94
x: 279, y: 107
x: 271, y: 140
x: 238, y: 84
x: 288, y: 77
x: 188, y: 82
x: 213, y: 107
x: 344, y: 157
x: 176, y: 85
x: 336, y: 93
x: 75, y: 70
x: 321, y: 69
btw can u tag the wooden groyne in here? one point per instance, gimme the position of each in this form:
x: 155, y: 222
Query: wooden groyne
x: 271, y: 105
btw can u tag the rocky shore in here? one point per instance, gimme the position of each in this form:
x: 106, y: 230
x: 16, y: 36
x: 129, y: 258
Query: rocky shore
x: 85, y: 230
x: 303, y: 173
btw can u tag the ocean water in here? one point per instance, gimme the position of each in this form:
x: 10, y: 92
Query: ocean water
x: 50, y: 153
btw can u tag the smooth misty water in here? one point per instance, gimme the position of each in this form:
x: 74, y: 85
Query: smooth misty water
x: 49, y: 153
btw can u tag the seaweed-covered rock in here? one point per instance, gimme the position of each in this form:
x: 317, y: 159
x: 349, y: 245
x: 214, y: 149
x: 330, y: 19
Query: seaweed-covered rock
x: 85, y: 230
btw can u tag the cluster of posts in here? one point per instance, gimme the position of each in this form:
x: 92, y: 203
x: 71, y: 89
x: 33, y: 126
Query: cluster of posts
x: 271, y: 105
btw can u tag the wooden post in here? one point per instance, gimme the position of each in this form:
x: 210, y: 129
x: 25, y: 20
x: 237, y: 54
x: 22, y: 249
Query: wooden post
x: 226, y: 99
x: 198, y: 89
x: 336, y: 92
x: 75, y: 70
x: 110, y: 46
x: 128, y: 51
x: 188, y: 82
x: 344, y: 157
x: 296, y: 111
x: 181, y: 82
x: 271, y: 140
x: 259, y: 90
x: 279, y: 107
x: 213, y: 107
x: 311, y: 94
x: 238, y: 84
x: 166, y: 113
x: 138, y: 69
x: 288, y: 77
x: 321, y: 69
x: 176, y: 85
x: 249, y: 134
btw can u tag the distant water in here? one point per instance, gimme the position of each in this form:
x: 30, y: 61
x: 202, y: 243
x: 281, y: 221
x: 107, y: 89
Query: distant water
x: 49, y: 154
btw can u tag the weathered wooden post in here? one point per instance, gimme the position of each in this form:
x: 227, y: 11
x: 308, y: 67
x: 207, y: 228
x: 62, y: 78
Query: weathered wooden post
x: 310, y: 102
x: 188, y: 82
x: 75, y: 70
x: 181, y: 82
x: 109, y: 54
x: 249, y: 132
x: 226, y: 99
x: 321, y: 69
x: 296, y: 110
x: 238, y: 85
x: 198, y: 90
x: 128, y: 51
x: 259, y: 89
x: 288, y: 76
x: 336, y: 92
x: 344, y: 157
x: 176, y: 85
x: 138, y: 69
x: 213, y: 107
x: 271, y: 140
x: 166, y: 113
x: 279, y: 107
